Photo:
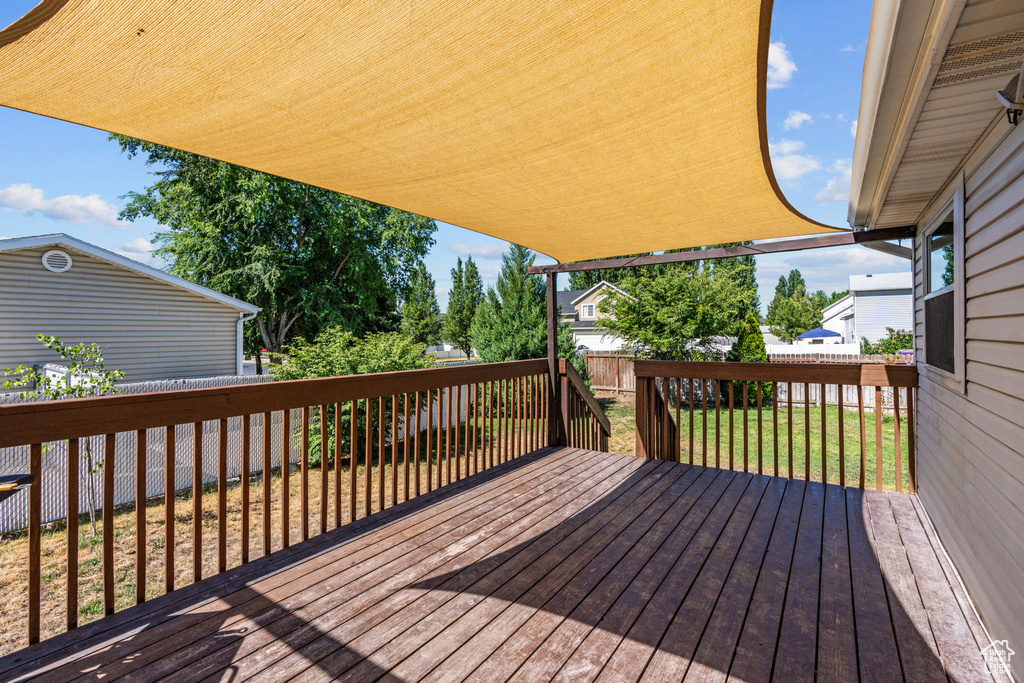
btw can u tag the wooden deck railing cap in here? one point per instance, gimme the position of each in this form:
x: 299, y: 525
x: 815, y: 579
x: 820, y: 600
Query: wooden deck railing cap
x: 811, y: 373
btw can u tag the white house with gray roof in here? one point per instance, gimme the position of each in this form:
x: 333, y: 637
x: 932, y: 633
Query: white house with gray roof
x: 581, y: 309
x: 149, y: 323
x: 875, y: 303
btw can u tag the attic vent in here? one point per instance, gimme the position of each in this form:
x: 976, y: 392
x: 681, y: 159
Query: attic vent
x: 56, y: 261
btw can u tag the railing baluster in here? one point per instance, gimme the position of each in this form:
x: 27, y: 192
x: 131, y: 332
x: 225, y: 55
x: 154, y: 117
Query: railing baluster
x: 732, y: 429
x: 304, y: 475
x: 197, y: 501
x: 691, y: 402
x: 679, y: 431
x: 72, y: 524
x: 222, y: 495
x: 394, y: 449
x: 430, y: 444
x: 505, y: 413
x: 353, y: 457
x: 878, y: 438
x: 140, y: 516
x: 863, y: 437
x: 899, y: 446
x: 704, y: 422
x: 717, y: 391
x: 337, y: 465
x: 416, y: 442
x: 109, y: 441
x: 35, y: 517
x: 406, y: 428
x: 381, y: 459
x: 324, y: 470
x: 268, y: 450
x: 760, y: 431
x: 368, y: 473
x: 490, y: 423
x: 746, y: 427
x: 842, y: 435
x: 169, y: 490
x: 911, y: 452
x: 286, y: 497
x: 807, y: 432
x: 775, y: 429
x: 246, y: 452
x: 789, y: 420
x: 824, y: 435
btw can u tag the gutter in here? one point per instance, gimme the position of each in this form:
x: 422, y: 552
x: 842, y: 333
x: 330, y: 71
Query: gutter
x: 242, y: 319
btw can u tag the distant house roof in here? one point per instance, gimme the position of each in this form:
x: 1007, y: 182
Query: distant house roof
x: 836, y: 307
x: 882, y: 281
x: 76, y: 245
x: 566, y: 300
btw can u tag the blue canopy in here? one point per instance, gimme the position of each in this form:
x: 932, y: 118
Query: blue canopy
x: 818, y: 333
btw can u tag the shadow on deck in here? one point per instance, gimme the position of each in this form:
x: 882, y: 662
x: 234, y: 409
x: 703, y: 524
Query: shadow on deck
x: 573, y: 565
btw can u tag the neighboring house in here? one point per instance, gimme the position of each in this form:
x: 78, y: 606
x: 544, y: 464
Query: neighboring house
x: 937, y: 150
x: 875, y: 303
x: 150, y: 324
x: 581, y: 309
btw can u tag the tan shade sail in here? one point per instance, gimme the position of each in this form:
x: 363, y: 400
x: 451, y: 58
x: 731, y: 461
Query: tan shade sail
x: 581, y: 129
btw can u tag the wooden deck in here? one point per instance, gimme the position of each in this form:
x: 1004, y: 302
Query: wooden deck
x: 570, y: 565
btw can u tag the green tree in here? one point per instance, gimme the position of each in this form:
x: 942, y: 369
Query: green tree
x: 792, y: 317
x: 336, y: 352
x: 465, y: 296
x: 749, y: 348
x: 743, y: 269
x: 87, y: 375
x: 678, y: 314
x: 893, y: 342
x: 421, y: 316
x: 795, y: 280
x: 309, y: 258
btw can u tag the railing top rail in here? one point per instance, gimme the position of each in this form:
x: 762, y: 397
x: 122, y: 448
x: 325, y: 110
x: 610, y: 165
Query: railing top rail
x: 45, y: 421
x: 581, y: 388
x: 871, y: 375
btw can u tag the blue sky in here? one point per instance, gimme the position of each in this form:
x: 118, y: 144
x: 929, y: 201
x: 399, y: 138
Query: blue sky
x: 59, y: 177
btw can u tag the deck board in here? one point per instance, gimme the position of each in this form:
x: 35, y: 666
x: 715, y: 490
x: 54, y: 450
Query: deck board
x: 566, y: 565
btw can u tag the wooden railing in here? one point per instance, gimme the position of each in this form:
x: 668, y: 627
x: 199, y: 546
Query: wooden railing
x: 585, y: 423
x: 700, y: 412
x: 380, y: 439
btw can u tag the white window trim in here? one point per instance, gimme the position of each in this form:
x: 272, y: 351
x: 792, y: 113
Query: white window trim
x: 955, y: 380
x: 583, y: 311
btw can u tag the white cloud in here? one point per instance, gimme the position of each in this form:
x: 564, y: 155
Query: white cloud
x: 780, y: 66
x: 853, y: 129
x: 138, y: 246
x: 848, y: 48
x: 840, y: 117
x: 787, y: 163
x: 483, y: 251
x: 72, y: 208
x: 796, y: 120
x: 837, y: 189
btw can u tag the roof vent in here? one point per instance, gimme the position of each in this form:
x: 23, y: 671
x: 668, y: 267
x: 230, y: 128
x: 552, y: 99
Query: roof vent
x: 57, y: 261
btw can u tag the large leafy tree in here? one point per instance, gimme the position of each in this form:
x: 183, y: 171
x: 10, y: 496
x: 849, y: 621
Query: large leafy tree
x: 789, y: 318
x: 421, y: 316
x: 466, y: 294
x: 309, y: 258
x: 743, y: 269
x: 749, y: 348
x: 679, y: 314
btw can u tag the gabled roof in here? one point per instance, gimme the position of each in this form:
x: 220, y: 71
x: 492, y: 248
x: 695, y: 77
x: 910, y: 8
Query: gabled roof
x: 74, y: 244
x: 643, y: 122
x: 600, y: 285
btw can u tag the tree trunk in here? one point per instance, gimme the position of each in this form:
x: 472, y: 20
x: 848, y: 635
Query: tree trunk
x: 259, y: 362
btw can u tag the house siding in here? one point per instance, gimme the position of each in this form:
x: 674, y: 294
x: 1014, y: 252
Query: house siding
x: 876, y: 311
x: 970, y: 447
x: 146, y: 328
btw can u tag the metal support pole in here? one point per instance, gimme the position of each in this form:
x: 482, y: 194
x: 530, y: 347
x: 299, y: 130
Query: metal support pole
x: 556, y: 427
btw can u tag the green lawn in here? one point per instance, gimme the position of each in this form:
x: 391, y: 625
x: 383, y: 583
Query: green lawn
x: 713, y: 450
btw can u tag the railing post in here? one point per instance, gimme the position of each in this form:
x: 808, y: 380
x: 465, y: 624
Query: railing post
x: 556, y: 425
x: 641, y: 396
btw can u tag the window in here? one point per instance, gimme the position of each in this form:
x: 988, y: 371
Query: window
x: 587, y: 311
x: 943, y: 292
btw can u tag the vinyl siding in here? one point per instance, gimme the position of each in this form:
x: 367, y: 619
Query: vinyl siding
x: 970, y: 448
x: 146, y: 328
x: 876, y: 311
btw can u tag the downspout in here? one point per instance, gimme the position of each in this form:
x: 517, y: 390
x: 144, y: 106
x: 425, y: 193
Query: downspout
x: 242, y: 318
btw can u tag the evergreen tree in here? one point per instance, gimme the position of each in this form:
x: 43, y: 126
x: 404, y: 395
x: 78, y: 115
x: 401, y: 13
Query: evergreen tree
x: 463, y: 299
x: 792, y: 317
x: 743, y: 271
x: 795, y: 280
x: 749, y: 348
x: 421, y: 316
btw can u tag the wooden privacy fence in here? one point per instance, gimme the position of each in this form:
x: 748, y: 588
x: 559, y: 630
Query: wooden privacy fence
x: 586, y: 424
x: 379, y: 439
x: 610, y: 371
x: 700, y: 412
